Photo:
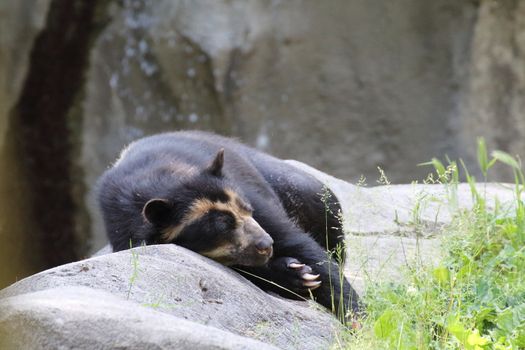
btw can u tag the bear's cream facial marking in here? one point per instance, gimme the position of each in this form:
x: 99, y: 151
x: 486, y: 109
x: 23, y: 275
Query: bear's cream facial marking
x: 200, y: 207
x: 222, y: 254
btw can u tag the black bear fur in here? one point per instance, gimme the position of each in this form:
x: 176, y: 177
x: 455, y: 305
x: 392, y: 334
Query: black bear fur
x: 147, y: 195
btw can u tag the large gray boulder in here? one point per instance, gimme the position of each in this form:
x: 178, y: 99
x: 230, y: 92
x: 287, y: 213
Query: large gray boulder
x: 151, y: 297
x: 85, y: 318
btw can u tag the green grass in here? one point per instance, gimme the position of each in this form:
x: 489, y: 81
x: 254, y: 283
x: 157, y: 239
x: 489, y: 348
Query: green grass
x: 474, y: 298
x: 135, y: 268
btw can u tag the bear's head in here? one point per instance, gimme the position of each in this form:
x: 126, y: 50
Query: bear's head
x: 207, y: 214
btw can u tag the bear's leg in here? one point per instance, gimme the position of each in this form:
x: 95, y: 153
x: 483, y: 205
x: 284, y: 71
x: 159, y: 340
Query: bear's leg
x: 309, y: 203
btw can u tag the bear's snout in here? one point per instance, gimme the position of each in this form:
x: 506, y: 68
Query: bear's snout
x: 256, y: 242
x: 265, y: 247
x: 257, y: 235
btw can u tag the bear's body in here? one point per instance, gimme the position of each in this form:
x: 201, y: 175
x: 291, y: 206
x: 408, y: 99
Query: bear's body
x: 233, y: 204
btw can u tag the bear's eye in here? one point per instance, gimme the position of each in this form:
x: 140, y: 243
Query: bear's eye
x: 223, y: 221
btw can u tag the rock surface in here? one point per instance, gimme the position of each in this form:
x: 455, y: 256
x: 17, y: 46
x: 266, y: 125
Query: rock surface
x: 20, y: 23
x: 493, y: 104
x: 167, y: 295
x: 86, y: 318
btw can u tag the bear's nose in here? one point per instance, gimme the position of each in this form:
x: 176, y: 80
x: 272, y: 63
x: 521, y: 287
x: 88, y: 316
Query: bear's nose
x: 264, y: 247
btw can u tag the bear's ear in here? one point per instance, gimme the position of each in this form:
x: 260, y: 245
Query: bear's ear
x: 157, y: 212
x: 215, y: 167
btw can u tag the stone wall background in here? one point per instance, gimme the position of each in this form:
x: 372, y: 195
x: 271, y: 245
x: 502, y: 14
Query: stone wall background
x: 343, y: 85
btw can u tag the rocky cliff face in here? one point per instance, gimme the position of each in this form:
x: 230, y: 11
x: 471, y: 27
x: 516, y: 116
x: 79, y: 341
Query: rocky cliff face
x: 345, y: 86
x: 40, y: 188
x: 494, y: 102
x: 20, y: 23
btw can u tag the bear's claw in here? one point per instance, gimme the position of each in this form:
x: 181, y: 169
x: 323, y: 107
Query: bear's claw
x: 312, y: 284
x: 310, y: 277
x: 295, y: 265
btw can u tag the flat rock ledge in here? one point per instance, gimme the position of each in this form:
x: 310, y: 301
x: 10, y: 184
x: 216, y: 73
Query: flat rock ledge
x: 166, y: 297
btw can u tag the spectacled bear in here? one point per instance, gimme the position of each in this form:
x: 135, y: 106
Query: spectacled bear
x: 231, y: 203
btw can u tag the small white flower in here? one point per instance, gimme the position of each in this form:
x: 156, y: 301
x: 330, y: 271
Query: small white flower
x: 411, y: 290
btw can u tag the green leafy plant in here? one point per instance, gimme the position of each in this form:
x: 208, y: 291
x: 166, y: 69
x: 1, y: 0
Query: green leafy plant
x: 474, y: 298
